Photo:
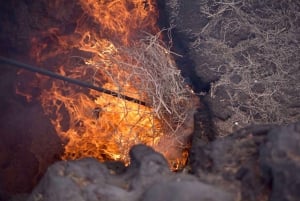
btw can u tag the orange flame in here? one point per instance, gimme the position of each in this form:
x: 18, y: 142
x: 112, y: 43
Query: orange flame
x: 90, y: 123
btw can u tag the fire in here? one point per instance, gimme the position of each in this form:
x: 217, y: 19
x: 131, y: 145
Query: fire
x: 93, y: 124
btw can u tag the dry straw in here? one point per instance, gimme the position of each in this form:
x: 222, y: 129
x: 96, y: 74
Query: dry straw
x: 150, y: 71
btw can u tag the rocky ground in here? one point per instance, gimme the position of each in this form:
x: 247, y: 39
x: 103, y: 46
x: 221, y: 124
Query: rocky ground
x: 147, y: 178
x: 255, y: 163
x: 241, y: 57
x: 245, y: 54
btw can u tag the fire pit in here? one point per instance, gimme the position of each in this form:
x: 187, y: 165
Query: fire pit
x: 115, y: 46
x: 104, y: 113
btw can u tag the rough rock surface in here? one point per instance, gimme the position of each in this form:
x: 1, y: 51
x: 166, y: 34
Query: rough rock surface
x: 280, y: 162
x: 232, y: 162
x: 147, y: 178
x: 180, y: 190
x: 256, y: 162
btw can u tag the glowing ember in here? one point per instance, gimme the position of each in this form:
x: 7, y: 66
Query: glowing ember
x: 97, y: 125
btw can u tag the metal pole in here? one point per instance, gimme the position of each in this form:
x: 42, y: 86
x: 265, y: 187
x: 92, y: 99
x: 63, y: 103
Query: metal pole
x: 67, y: 79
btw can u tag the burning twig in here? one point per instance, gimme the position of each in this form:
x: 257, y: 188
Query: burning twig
x: 152, y: 72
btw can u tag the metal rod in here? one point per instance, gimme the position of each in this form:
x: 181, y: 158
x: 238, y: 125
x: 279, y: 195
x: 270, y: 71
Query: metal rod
x: 70, y: 80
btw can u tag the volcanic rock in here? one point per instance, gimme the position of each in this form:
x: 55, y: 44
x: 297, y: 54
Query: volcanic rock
x: 232, y: 162
x: 147, y: 178
x: 179, y: 190
x: 280, y: 162
x: 257, y: 162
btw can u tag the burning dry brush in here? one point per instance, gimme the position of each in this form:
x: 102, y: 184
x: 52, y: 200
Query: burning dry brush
x: 149, y: 68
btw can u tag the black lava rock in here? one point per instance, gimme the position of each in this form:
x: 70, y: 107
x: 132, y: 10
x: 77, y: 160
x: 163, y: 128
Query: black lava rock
x: 232, y: 162
x: 280, y: 162
x: 147, y: 178
x: 185, y: 191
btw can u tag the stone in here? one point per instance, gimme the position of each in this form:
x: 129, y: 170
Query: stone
x: 186, y: 191
x: 146, y: 167
x: 232, y: 162
x: 147, y: 178
x: 80, y: 180
x: 280, y: 162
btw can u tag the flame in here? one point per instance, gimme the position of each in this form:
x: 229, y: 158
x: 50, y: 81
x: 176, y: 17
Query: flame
x: 93, y: 124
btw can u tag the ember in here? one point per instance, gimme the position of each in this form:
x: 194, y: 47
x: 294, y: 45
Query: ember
x: 115, y: 46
